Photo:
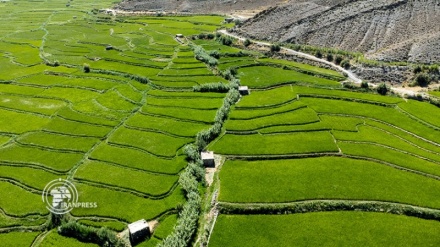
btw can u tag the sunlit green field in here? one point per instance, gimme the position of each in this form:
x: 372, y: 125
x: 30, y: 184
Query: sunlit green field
x: 117, y: 131
x: 324, y: 229
x: 110, y: 102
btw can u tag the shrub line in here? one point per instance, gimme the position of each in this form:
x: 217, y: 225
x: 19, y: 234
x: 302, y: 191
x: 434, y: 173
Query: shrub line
x: 329, y: 205
x: 194, y: 173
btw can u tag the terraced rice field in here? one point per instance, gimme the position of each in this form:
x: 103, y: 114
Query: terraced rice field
x: 109, y: 103
x: 117, y: 132
x: 354, y: 151
x: 324, y: 229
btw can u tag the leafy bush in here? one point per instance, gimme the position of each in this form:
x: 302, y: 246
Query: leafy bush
x: 364, y: 84
x: 86, y: 68
x: 225, y: 40
x: 382, y: 89
x: 229, y: 73
x: 434, y: 69
x: 349, y: 85
x: 238, y: 22
x: 206, y: 136
x: 338, y: 59
x: 417, y: 70
x: 189, y: 213
x: 318, y: 54
x: 275, y: 48
x: 201, y: 55
x: 422, y: 79
x: 345, y: 64
x: 205, y: 36
x: 329, y: 57
x: 247, y: 42
x: 210, y: 36
x: 234, y: 83
x: 217, y: 87
x: 214, y: 54
x: 434, y: 101
x: 101, y: 236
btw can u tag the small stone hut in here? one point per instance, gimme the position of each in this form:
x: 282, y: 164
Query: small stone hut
x: 139, y: 230
x: 208, y: 159
x: 244, y: 90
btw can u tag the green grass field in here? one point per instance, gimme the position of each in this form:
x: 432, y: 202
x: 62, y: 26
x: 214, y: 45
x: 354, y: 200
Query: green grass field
x: 324, y: 178
x: 324, y: 229
x: 265, y: 76
x: 107, y: 102
x: 291, y: 143
x: 152, y: 184
x: 18, y: 238
x: 296, y: 117
x: 54, y: 239
x: 58, y: 121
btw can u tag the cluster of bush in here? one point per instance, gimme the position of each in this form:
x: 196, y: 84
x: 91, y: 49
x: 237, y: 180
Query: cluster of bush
x: 189, y: 179
x: 194, y: 173
x: 425, y: 74
x: 230, y: 73
x: 101, y: 236
x: 206, y: 136
x: 434, y: 101
x: 217, y: 87
x: 202, y: 55
x: 225, y: 40
x: 206, y: 36
x: 275, y: 47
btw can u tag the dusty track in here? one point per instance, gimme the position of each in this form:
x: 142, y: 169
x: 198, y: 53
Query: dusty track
x: 351, y: 76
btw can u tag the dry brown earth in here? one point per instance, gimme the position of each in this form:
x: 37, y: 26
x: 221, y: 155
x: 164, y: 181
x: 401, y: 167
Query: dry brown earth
x: 199, y: 6
x: 390, y: 30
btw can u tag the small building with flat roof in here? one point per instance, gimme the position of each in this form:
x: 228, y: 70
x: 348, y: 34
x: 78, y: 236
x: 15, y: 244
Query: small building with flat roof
x: 244, y: 90
x: 138, y: 230
x: 208, y: 159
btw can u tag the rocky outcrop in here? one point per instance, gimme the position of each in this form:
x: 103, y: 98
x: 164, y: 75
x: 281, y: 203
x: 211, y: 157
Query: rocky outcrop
x: 196, y: 6
x: 388, y: 30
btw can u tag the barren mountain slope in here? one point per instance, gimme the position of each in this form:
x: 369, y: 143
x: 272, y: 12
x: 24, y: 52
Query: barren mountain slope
x: 197, y: 6
x: 383, y: 29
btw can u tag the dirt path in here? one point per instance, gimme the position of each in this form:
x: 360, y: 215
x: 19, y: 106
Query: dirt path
x: 351, y: 76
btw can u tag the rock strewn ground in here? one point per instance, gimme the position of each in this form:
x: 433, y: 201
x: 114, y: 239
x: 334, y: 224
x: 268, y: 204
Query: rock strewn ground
x: 389, y: 30
x: 197, y: 6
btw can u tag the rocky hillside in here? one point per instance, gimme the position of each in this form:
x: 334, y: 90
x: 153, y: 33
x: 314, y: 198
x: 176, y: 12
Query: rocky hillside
x: 389, y: 30
x: 197, y: 6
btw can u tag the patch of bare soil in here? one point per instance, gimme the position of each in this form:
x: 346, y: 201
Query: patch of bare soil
x: 153, y: 224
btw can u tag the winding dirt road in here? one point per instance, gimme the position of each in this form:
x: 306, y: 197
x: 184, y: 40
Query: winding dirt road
x: 351, y: 76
